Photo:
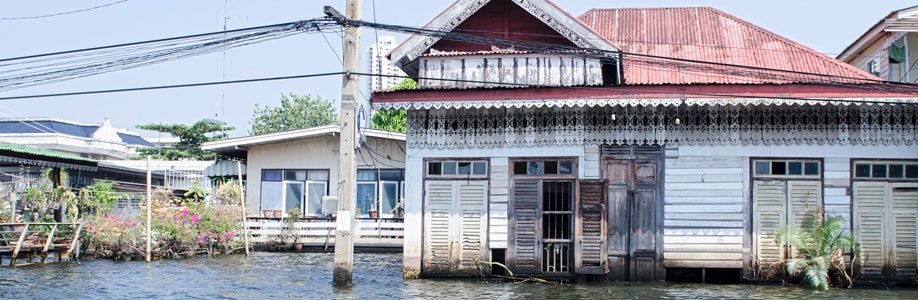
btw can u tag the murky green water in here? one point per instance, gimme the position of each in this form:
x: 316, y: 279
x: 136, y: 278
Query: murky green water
x: 308, y: 276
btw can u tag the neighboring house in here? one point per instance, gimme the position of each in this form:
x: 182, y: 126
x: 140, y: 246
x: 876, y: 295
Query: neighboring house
x: 889, y: 49
x: 22, y: 167
x: 633, y: 144
x: 298, y: 168
x: 96, y: 141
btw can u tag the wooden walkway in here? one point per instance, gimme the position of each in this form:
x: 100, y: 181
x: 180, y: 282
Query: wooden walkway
x: 37, y: 240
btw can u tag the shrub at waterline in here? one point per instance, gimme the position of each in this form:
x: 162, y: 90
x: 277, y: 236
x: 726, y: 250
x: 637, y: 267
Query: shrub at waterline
x: 177, y: 230
x: 820, y: 244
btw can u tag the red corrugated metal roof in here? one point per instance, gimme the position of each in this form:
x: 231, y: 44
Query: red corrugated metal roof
x: 695, y: 35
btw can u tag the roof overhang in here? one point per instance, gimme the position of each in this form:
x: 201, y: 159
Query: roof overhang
x: 656, y: 95
x: 242, y: 143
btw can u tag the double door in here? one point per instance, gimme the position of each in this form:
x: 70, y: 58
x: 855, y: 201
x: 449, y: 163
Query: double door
x: 635, y: 219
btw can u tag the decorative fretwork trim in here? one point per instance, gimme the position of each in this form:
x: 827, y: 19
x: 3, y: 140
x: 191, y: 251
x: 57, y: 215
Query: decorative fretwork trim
x: 549, y: 103
x: 678, y: 125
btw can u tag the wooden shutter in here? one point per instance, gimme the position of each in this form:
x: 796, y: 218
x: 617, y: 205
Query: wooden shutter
x: 525, y: 224
x: 769, y: 217
x: 472, y: 203
x: 590, y: 241
x: 437, y: 233
x: 805, y: 197
x: 869, y: 212
x: 904, y: 216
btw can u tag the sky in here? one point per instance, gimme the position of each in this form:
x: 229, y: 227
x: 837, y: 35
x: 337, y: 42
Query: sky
x: 828, y: 26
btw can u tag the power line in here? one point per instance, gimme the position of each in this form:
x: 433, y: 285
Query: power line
x: 134, y: 89
x: 62, y: 13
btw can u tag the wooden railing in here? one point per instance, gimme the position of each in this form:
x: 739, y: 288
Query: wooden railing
x: 370, y: 233
x: 38, y: 239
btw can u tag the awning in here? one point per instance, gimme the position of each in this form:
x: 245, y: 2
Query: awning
x: 223, y: 168
x: 636, y: 102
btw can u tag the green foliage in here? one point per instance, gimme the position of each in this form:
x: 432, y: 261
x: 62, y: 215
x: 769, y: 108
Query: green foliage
x: 294, y: 112
x: 99, y: 198
x: 195, y: 193
x: 391, y: 120
x: 190, y: 139
x: 407, y: 84
x: 820, y: 244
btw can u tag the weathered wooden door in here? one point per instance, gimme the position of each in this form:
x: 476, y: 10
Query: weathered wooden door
x: 886, y: 226
x: 590, y: 235
x: 455, y: 223
x: 634, y: 219
x: 778, y: 204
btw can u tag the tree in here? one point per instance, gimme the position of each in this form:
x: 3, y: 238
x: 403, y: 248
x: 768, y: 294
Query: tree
x: 820, y: 244
x: 394, y: 120
x: 190, y: 139
x: 295, y: 112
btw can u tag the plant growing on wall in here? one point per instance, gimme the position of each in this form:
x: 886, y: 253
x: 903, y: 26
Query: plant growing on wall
x: 820, y: 244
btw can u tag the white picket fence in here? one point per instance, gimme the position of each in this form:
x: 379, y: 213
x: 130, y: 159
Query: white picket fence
x: 383, y: 233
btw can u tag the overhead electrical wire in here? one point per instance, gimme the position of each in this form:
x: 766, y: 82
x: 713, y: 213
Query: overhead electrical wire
x: 46, y: 68
x: 61, y: 13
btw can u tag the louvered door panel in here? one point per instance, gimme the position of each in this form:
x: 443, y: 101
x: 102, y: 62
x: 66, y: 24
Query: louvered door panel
x: 590, y: 245
x: 905, y: 216
x: 438, y: 235
x: 869, y: 213
x: 525, y: 236
x: 770, y: 211
x: 805, y: 197
x: 472, y: 203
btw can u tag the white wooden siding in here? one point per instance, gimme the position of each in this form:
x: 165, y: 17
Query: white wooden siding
x: 703, y: 214
x: 497, y: 226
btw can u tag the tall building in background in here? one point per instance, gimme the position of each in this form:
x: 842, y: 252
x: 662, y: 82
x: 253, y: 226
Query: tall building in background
x: 380, y: 65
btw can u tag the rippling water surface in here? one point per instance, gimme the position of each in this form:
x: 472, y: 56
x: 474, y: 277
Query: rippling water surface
x: 309, y: 276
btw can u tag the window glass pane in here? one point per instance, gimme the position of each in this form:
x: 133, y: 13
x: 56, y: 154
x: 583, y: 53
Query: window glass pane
x: 318, y: 175
x: 551, y: 167
x: 434, y: 168
x: 271, y: 195
x: 911, y: 171
x: 520, y: 168
x: 479, y: 168
x: 271, y: 175
x: 862, y: 170
x: 293, y: 196
x: 778, y: 168
x: 295, y: 175
x: 896, y: 171
x: 566, y: 167
x: 449, y: 168
x: 390, y: 175
x: 388, y: 198
x: 811, y: 168
x: 465, y: 168
x: 879, y: 171
x: 366, y: 197
x: 366, y: 175
x: 795, y: 168
x: 314, y: 197
x: 535, y: 168
x: 761, y: 168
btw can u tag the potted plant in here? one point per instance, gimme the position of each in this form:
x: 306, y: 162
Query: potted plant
x: 293, y: 216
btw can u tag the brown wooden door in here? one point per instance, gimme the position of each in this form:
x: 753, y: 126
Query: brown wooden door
x: 635, y: 219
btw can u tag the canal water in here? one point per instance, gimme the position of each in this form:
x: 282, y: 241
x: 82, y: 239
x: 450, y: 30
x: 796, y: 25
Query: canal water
x: 266, y: 275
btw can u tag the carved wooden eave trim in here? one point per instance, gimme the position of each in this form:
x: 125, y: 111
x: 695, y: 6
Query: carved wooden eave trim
x: 546, y: 11
x: 664, y: 102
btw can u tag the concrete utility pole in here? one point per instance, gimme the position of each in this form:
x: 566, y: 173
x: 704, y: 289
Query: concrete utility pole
x: 345, y: 228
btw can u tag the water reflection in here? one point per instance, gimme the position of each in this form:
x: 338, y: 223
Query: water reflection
x: 376, y: 276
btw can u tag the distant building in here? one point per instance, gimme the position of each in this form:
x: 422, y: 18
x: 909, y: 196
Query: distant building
x: 380, y: 65
x: 889, y: 49
x: 95, y: 141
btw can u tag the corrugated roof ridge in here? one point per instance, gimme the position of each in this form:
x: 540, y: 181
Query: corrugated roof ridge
x: 797, y: 45
x: 43, y: 152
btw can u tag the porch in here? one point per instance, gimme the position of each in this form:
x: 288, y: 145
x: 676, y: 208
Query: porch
x: 318, y: 233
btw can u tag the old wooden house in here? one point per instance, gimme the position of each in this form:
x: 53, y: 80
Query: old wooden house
x: 629, y: 144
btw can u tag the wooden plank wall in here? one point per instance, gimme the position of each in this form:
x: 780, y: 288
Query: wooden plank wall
x: 509, y: 70
x: 704, y: 212
x: 836, y: 184
x: 497, y: 207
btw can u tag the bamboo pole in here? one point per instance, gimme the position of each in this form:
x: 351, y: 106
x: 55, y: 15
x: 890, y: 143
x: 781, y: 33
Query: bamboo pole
x: 149, y: 210
x: 245, y: 228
